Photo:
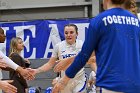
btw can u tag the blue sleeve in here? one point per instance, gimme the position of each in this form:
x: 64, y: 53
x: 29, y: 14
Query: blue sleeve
x: 89, y: 45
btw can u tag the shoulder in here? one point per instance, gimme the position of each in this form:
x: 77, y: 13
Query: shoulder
x: 60, y: 43
x: 79, y: 41
x: 112, y: 11
x: 97, y: 21
x: 63, y: 42
x: 15, y: 56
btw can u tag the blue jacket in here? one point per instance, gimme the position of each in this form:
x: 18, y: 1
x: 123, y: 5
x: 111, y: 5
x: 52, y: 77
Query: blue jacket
x: 115, y: 36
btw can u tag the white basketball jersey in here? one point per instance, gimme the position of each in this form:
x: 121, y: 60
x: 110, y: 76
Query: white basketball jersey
x: 63, y: 50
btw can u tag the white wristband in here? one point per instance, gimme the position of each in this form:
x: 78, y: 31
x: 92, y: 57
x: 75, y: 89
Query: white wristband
x: 8, y: 61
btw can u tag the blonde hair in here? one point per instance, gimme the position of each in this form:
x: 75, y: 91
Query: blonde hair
x: 131, y: 6
x: 13, y: 45
x: 1, y: 31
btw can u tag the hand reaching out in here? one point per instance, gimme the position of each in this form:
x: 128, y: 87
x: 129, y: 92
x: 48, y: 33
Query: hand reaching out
x: 61, y: 65
x: 55, y: 81
x: 27, y: 74
x: 7, y: 87
x: 60, y: 85
x: 33, y: 71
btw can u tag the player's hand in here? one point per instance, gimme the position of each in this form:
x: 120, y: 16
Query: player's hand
x: 27, y: 74
x: 33, y: 71
x: 61, y: 65
x: 7, y: 87
x: 55, y: 81
x: 60, y: 85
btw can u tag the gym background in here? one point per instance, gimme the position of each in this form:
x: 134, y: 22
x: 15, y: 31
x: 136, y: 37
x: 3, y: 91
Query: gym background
x: 25, y: 10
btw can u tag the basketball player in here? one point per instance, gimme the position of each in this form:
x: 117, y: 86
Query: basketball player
x: 65, y: 49
x: 115, y: 37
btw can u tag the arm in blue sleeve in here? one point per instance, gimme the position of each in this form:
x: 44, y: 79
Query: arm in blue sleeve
x: 89, y: 45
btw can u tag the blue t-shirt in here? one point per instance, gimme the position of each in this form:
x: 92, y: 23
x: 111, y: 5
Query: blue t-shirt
x: 114, y: 35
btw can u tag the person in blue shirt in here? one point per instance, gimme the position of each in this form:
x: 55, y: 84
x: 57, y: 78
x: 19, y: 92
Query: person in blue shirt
x: 115, y: 37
